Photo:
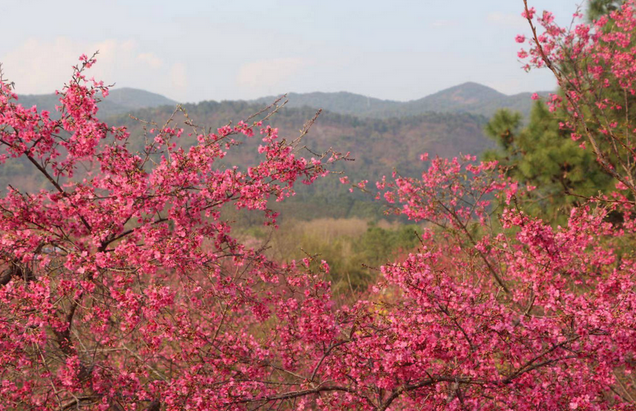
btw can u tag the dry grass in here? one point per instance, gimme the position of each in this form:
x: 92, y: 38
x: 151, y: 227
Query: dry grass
x: 331, y: 228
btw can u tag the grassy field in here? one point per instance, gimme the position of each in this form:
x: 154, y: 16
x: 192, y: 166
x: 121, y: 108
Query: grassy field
x: 354, y: 248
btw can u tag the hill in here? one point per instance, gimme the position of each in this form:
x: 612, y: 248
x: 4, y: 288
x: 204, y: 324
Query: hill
x: 119, y: 101
x: 378, y: 146
x: 472, y: 98
x: 469, y: 98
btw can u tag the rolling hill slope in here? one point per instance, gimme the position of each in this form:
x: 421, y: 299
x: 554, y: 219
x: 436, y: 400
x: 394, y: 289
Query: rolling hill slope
x: 469, y: 98
x: 381, y: 135
x: 119, y: 101
x: 378, y: 146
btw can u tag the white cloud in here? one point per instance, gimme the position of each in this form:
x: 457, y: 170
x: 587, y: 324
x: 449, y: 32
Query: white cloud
x: 150, y: 59
x: 264, y: 74
x: 42, y: 66
x: 178, y: 76
x: 38, y: 67
x: 444, y: 23
x: 507, y: 20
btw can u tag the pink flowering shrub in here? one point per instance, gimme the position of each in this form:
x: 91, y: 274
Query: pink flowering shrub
x: 124, y: 289
x: 594, y: 65
x: 522, y: 317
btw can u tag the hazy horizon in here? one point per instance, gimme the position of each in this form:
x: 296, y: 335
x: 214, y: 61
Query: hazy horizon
x: 307, y: 92
x: 212, y: 50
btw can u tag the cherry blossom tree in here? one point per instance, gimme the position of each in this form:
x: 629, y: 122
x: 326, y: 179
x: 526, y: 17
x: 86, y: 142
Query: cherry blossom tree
x: 124, y: 288
x: 594, y: 66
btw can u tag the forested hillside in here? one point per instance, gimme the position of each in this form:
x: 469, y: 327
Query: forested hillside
x: 119, y: 101
x: 378, y: 146
x: 381, y: 135
x: 470, y: 98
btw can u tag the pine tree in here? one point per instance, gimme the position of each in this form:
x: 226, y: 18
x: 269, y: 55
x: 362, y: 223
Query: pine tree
x: 543, y: 155
x: 598, y: 8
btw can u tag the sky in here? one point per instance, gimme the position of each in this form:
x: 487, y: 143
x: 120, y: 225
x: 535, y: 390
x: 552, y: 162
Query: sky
x: 194, y: 50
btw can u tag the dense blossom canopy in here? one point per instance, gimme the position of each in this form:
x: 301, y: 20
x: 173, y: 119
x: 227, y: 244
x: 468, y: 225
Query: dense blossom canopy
x: 124, y: 288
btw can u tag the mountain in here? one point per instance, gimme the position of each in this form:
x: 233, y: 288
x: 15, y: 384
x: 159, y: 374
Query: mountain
x: 341, y: 102
x: 119, y: 101
x: 378, y: 145
x: 381, y: 135
x: 472, y: 98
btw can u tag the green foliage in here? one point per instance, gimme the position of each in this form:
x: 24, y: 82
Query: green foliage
x: 598, y: 8
x: 353, y: 248
x: 544, y: 156
x: 379, y: 244
x: 503, y: 126
x: 354, y: 260
x: 378, y: 146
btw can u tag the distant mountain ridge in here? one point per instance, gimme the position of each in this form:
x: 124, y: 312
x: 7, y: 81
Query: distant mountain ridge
x: 120, y: 101
x: 378, y: 145
x: 381, y: 135
x: 472, y: 98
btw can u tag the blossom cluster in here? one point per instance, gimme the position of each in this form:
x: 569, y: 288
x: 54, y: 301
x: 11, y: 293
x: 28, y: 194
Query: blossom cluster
x: 124, y: 287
